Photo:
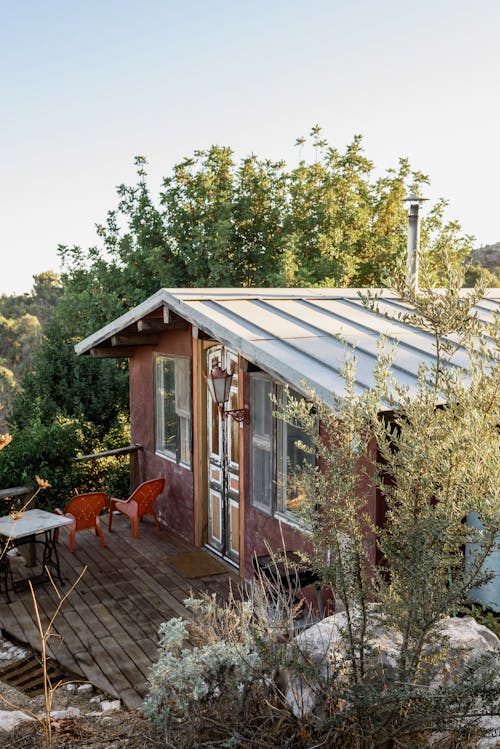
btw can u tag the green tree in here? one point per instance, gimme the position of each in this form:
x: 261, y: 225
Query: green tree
x: 47, y: 289
x: 434, y: 456
x: 220, y: 222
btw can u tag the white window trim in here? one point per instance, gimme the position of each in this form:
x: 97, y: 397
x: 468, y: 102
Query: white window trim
x: 186, y: 414
x: 276, y: 510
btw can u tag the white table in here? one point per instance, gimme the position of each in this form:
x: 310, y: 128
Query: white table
x: 35, y: 526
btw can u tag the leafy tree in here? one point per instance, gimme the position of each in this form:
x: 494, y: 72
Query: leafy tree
x: 218, y: 222
x: 435, y: 459
x: 70, y: 386
x: 46, y: 291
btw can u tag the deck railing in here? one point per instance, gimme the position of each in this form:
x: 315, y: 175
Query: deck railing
x: 132, y: 450
x: 16, y: 491
x: 135, y: 471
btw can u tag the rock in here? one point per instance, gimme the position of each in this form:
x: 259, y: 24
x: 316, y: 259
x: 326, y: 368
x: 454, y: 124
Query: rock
x: 10, y: 719
x: 468, y: 635
x: 491, y: 724
x: 9, y: 653
x: 96, y: 700
x: 109, y: 706
x: 85, y: 688
x: 70, y: 712
x: 70, y: 687
x: 322, y: 648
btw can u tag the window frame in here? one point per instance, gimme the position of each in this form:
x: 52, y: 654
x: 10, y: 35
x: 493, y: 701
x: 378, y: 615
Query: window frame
x: 265, y: 443
x: 183, y: 412
x: 276, y: 506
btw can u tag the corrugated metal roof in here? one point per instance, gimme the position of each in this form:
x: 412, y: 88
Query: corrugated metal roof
x: 301, y: 336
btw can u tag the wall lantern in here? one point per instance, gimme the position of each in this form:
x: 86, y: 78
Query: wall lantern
x: 219, y: 385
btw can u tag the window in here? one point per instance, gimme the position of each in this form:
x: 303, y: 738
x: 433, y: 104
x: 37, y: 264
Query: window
x: 274, y: 451
x: 290, y: 459
x: 261, y: 408
x: 173, y: 408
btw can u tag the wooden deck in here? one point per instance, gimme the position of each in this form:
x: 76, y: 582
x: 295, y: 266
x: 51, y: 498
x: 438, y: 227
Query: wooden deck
x: 108, y: 625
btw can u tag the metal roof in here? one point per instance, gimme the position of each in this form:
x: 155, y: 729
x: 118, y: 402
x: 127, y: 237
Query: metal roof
x: 300, y: 336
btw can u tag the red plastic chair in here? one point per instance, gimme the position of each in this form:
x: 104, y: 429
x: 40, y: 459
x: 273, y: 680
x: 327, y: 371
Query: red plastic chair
x: 139, y: 503
x: 84, y: 509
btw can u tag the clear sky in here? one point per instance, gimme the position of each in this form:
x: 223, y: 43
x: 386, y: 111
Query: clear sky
x: 86, y: 86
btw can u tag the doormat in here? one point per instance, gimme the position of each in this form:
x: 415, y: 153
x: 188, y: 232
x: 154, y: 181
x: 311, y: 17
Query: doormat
x: 196, y: 564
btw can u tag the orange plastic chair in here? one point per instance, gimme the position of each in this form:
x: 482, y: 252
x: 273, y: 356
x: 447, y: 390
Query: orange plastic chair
x: 84, y: 509
x: 139, y: 503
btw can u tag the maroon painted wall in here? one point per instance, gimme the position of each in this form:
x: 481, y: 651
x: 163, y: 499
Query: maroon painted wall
x: 175, y: 505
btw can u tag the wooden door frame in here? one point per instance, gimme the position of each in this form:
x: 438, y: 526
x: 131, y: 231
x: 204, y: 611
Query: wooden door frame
x: 200, y: 447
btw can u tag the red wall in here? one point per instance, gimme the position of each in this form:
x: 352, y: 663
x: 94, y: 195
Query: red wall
x: 175, y: 505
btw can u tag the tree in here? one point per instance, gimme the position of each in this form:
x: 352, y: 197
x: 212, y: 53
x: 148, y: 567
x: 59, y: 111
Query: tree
x: 434, y: 456
x: 256, y: 222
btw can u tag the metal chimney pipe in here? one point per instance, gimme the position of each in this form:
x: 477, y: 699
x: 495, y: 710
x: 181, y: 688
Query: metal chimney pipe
x: 413, y: 244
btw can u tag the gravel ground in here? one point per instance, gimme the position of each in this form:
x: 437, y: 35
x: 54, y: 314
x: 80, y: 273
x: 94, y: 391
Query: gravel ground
x: 120, y: 729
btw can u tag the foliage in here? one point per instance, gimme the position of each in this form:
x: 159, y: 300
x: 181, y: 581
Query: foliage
x: 434, y: 459
x: 256, y: 222
x: 221, y: 680
x: 49, y: 450
x: 215, y: 680
x: 70, y: 386
x: 486, y: 617
x: 22, y: 319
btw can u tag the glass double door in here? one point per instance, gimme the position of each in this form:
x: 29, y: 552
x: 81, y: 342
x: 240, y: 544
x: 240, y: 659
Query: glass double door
x: 223, y: 435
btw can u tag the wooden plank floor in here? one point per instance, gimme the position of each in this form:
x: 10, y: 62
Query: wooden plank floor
x: 107, y: 628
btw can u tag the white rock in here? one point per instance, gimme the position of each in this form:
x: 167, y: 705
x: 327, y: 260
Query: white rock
x: 70, y: 712
x: 492, y: 725
x: 10, y: 652
x: 95, y: 700
x: 322, y: 647
x: 70, y: 687
x: 85, y: 688
x: 9, y: 719
x: 109, y: 706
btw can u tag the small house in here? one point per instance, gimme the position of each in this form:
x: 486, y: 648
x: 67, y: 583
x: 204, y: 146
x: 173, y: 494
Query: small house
x: 222, y: 463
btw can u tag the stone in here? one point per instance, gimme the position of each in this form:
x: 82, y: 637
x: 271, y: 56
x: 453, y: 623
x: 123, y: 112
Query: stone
x: 85, y: 688
x: 9, y: 653
x: 70, y: 687
x: 69, y: 712
x: 109, y: 706
x: 322, y: 648
x: 96, y: 700
x: 490, y: 723
x: 10, y: 719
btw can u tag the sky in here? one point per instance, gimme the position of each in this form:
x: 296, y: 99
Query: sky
x: 87, y: 86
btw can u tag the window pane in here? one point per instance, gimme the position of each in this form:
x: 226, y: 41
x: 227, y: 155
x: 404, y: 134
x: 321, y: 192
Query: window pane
x: 261, y: 476
x: 166, y: 420
x: 183, y: 408
x: 173, y: 408
x: 290, y: 460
